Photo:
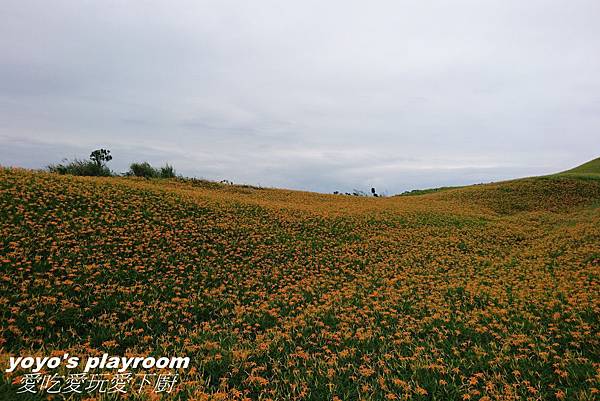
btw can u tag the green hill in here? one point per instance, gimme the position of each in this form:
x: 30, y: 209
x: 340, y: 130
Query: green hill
x: 590, y: 169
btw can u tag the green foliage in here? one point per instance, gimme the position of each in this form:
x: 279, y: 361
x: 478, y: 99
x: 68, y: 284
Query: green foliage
x: 167, y: 171
x: 96, y: 166
x: 425, y: 191
x: 80, y: 167
x: 144, y: 169
x: 100, y: 157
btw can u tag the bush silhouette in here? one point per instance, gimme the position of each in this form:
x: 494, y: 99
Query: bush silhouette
x: 144, y: 169
x: 96, y: 166
x: 167, y: 171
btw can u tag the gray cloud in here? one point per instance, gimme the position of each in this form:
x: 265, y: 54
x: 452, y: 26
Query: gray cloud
x: 310, y: 95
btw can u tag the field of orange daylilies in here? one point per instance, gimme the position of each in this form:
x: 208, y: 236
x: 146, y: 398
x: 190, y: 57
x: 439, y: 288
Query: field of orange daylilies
x: 488, y: 292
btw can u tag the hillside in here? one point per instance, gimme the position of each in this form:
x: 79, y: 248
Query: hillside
x: 480, y: 291
x: 591, y: 168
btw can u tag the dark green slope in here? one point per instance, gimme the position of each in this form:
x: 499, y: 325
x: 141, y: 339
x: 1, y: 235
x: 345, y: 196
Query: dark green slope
x: 590, y: 169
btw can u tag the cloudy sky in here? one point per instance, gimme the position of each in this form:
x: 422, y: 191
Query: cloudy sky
x: 317, y: 95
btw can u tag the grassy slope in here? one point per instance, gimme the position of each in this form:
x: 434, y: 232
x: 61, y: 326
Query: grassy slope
x: 590, y: 169
x: 274, y: 293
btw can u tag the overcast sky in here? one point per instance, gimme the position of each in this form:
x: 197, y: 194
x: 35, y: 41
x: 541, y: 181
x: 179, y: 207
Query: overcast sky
x: 317, y: 95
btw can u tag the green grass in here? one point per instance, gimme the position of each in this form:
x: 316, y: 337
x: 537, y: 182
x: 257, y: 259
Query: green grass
x: 590, y: 169
x: 415, y: 192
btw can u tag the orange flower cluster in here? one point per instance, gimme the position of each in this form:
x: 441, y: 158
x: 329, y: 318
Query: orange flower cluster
x: 487, y: 292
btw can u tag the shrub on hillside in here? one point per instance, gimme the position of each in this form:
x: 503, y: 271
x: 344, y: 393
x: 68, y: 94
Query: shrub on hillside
x: 167, y: 171
x: 143, y: 169
x: 80, y: 167
x: 96, y: 166
x: 146, y: 170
